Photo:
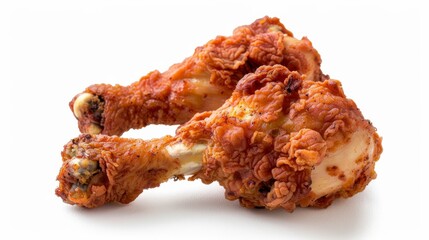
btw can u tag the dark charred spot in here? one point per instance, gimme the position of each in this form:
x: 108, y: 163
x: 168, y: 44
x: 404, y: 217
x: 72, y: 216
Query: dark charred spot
x: 292, y: 84
x: 93, y: 105
x: 94, y: 110
x: 264, y: 189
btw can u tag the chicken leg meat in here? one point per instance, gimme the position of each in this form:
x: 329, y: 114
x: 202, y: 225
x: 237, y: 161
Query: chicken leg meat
x: 200, y: 83
x: 279, y: 141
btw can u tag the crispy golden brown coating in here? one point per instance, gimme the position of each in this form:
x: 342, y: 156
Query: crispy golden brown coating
x: 277, y: 142
x: 200, y: 83
x: 267, y: 143
x: 98, y: 169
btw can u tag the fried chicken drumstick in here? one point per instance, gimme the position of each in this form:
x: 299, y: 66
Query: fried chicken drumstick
x: 200, y: 83
x: 277, y: 142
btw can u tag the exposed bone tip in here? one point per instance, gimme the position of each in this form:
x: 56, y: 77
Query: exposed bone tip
x: 94, y: 128
x: 80, y: 102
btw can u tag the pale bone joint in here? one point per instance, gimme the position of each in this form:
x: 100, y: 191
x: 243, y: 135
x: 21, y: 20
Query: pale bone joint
x: 80, y: 103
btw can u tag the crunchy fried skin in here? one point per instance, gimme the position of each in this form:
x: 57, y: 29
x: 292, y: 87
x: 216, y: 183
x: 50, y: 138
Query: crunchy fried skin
x: 200, y: 83
x: 124, y: 168
x: 266, y: 140
x: 277, y: 142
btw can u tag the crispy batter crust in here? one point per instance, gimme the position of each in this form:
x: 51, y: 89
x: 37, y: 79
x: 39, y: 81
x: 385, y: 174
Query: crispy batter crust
x: 265, y: 157
x: 201, y: 82
x: 126, y: 167
x: 263, y: 145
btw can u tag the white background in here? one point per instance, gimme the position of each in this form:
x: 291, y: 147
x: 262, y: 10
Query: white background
x: 51, y: 50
